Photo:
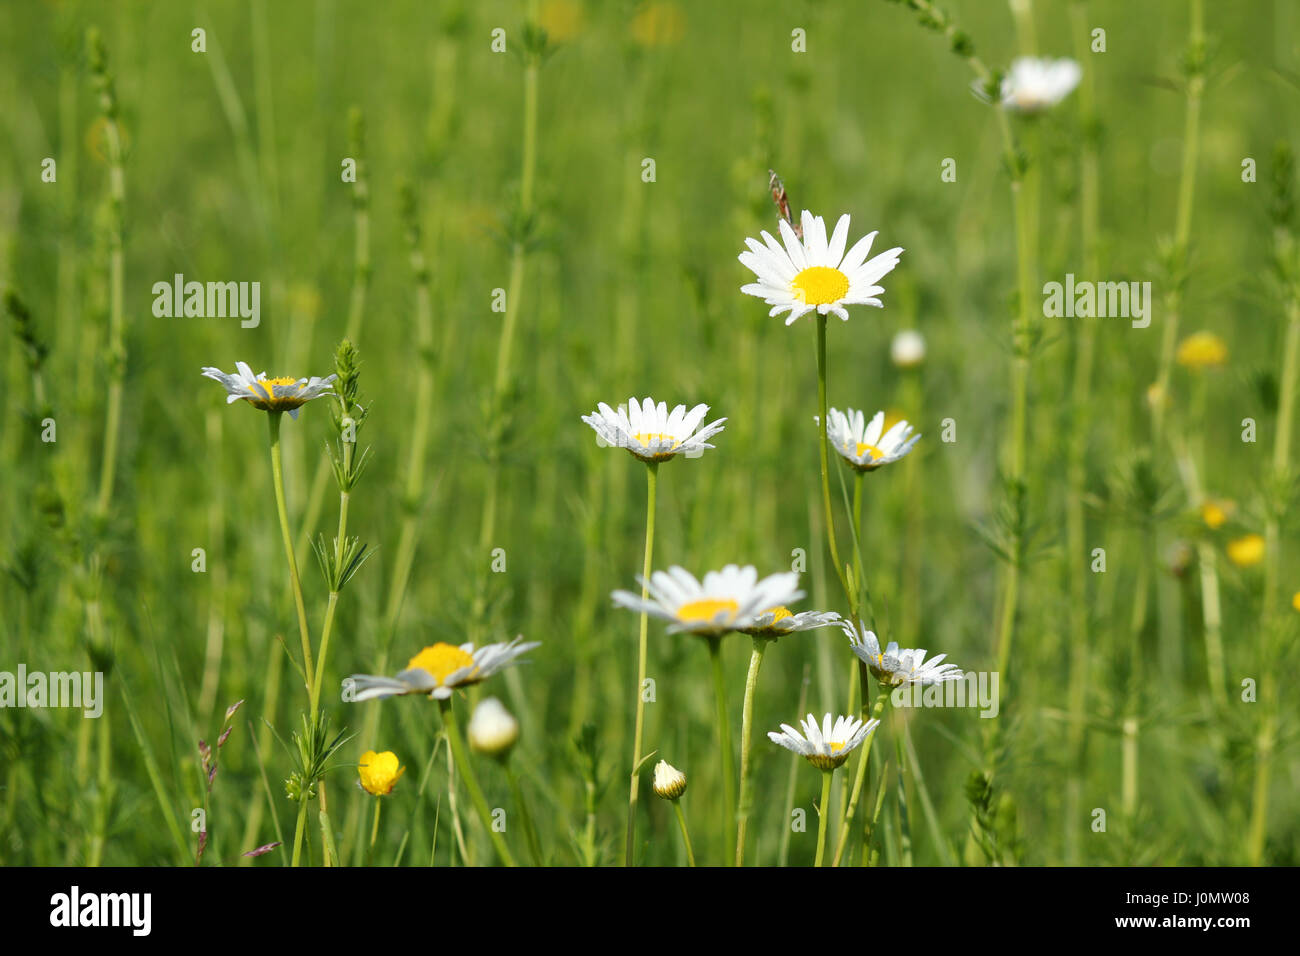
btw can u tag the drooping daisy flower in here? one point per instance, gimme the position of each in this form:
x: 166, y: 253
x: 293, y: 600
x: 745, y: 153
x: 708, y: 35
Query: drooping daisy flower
x: 270, y: 394
x: 651, y: 432
x: 867, y: 446
x: 1033, y: 85
x: 725, y: 600
x: 378, y: 773
x: 816, y: 273
x: 492, y: 730
x: 778, y: 621
x: 828, y: 746
x: 893, y: 667
x: 439, y: 669
x: 907, y: 349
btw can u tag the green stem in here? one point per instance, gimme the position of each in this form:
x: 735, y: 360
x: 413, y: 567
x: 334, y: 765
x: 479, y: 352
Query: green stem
x: 457, y: 742
x: 824, y: 446
x: 746, y: 732
x: 298, y: 830
x: 277, y: 473
x: 842, y: 841
x: 652, y: 476
x: 686, y: 837
x: 823, y: 813
x: 374, y: 831
x: 530, y: 833
x: 724, y: 747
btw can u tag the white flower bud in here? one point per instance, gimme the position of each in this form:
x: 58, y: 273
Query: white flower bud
x: 907, y: 350
x: 669, y: 783
x: 492, y: 729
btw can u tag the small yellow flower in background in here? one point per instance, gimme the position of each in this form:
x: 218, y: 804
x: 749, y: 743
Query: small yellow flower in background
x: 1202, y: 350
x: 658, y: 24
x: 669, y: 782
x: 493, y: 730
x: 1246, y: 551
x: 379, y: 772
x: 1216, y: 511
x: 1295, y: 600
x: 561, y: 19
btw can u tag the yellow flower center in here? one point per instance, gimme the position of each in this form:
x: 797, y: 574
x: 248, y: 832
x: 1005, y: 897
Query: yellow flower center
x: 268, y: 384
x: 863, y: 448
x: 645, y: 438
x: 779, y: 613
x: 440, y: 660
x: 835, y: 745
x: 820, y: 285
x: 706, y: 609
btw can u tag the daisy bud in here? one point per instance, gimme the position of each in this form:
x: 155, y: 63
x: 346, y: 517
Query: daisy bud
x: 907, y: 350
x: 669, y: 783
x: 492, y: 729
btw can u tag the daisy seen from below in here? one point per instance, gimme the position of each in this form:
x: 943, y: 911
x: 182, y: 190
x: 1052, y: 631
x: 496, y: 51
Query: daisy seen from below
x: 439, y: 669
x: 284, y: 394
x: 1035, y: 84
x: 779, y: 621
x: 727, y: 600
x: 815, y: 273
x: 651, y: 432
x: 894, y: 667
x: 868, y: 445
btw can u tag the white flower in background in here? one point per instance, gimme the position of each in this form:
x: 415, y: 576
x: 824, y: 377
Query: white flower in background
x: 651, y: 432
x: 1033, y: 85
x: 669, y: 782
x: 778, y: 621
x: 893, y: 667
x: 814, y: 273
x: 866, y: 445
x: 492, y: 729
x: 827, y: 746
x: 440, y: 668
x: 270, y: 394
x: 726, y: 600
x: 907, y: 350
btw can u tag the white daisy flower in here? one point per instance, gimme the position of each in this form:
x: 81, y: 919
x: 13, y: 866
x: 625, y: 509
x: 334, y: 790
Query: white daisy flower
x: 814, y: 273
x: 726, y: 600
x: 893, y: 667
x: 651, y: 432
x: 270, y: 394
x: 778, y: 621
x: 1033, y: 85
x: 866, y: 445
x: 827, y: 746
x: 439, y: 669
x: 907, y: 349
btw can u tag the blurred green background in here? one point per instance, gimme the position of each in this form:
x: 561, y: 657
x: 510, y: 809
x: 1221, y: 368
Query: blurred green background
x: 232, y: 172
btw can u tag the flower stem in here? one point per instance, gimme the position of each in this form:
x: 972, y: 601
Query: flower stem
x: 842, y: 841
x: 652, y: 476
x: 530, y: 833
x: 746, y: 732
x: 458, y: 751
x: 374, y: 831
x: 298, y: 830
x: 686, y: 837
x: 277, y: 473
x: 823, y: 444
x: 823, y: 812
x: 724, y: 747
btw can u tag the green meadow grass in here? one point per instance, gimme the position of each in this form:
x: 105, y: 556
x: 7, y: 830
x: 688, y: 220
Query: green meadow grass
x: 232, y: 162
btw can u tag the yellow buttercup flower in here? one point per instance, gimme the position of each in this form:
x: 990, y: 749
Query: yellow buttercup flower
x: 1295, y: 600
x: 658, y: 24
x: 379, y: 772
x: 1202, y: 350
x: 1216, y: 511
x: 1246, y: 551
x: 561, y: 19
